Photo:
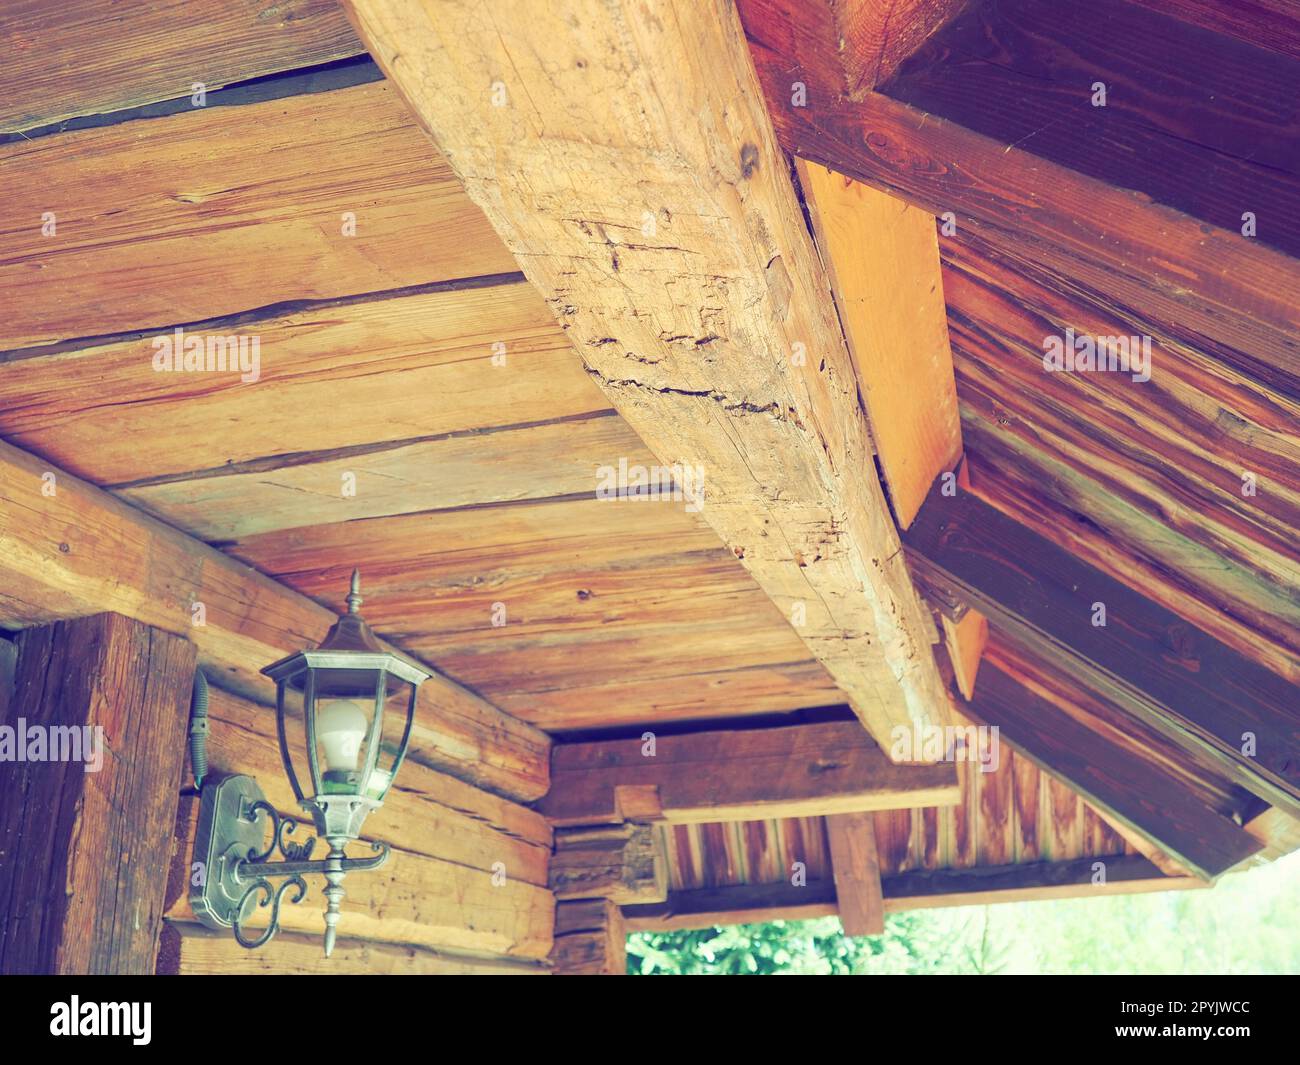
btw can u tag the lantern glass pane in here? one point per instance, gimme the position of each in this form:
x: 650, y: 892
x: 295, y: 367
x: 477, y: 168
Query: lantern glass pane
x: 397, y: 701
x: 344, y: 708
x: 295, y: 738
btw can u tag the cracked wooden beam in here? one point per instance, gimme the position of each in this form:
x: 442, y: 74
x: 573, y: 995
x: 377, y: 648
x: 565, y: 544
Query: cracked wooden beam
x: 624, y: 154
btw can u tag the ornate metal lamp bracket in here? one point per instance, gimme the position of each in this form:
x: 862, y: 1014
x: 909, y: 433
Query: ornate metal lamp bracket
x: 233, y: 866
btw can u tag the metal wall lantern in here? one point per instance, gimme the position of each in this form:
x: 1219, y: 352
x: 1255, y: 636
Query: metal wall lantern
x: 344, y: 713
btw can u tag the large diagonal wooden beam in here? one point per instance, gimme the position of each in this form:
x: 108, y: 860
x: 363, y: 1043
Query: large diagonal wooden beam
x: 68, y: 549
x: 738, y: 775
x: 1209, y: 700
x: 624, y: 154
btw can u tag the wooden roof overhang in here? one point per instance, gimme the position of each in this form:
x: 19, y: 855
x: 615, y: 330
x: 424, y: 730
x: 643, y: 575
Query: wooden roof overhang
x: 464, y: 309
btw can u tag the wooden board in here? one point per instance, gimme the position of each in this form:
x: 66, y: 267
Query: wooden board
x: 1026, y: 74
x: 225, y: 193
x: 77, y: 550
x: 191, y: 950
x: 883, y: 258
x: 82, y: 57
x: 857, y: 873
x: 415, y: 368
x: 1179, y: 681
x: 799, y: 770
x: 692, y: 331
x: 86, y: 820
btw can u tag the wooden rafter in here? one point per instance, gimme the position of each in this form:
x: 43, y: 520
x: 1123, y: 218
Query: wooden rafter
x: 640, y: 186
x: 738, y: 775
x: 1205, y: 698
x: 856, y: 866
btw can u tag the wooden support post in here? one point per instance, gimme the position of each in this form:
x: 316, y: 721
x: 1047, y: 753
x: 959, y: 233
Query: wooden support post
x: 857, y: 873
x: 91, y: 756
x: 590, y: 939
x: 623, y: 863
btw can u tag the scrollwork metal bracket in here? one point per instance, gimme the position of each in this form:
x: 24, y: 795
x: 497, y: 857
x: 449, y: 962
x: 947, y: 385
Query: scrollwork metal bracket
x: 233, y: 866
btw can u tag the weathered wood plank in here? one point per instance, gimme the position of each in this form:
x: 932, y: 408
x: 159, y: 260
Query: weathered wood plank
x: 1027, y: 74
x: 738, y: 904
x: 965, y: 641
x: 418, y: 366
x: 191, y: 950
x: 1271, y: 24
x: 692, y: 291
x: 857, y: 873
x: 1136, y: 790
x: 82, y: 57
x: 883, y: 258
x: 878, y: 37
x: 1204, y: 697
x: 413, y: 899
x: 799, y: 770
x: 225, y: 193
x: 68, y: 549
x: 87, y: 817
x: 623, y: 863
x: 1228, y: 288
x: 1082, y: 878
x: 590, y: 939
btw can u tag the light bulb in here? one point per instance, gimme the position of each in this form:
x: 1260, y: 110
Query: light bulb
x: 340, y: 727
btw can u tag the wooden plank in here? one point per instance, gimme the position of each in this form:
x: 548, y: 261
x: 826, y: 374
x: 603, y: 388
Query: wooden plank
x: 918, y: 889
x: 1271, y: 24
x: 965, y: 641
x: 692, y: 330
x: 87, y: 815
x: 191, y: 950
x: 429, y: 814
x: 739, y: 904
x: 1026, y: 74
x: 857, y: 874
x: 1226, y: 287
x: 1136, y: 791
x: 878, y: 37
x: 72, y: 550
x: 81, y: 57
x: 506, y: 465
x: 624, y: 863
x: 799, y: 770
x: 225, y: 192
x: 891, y: 303
x: 416, y: 367
x: 1037, y: 881
x: 590, y: 939
x: 1177, y: 679
x: 1170, y: 517
x: 413, y: 899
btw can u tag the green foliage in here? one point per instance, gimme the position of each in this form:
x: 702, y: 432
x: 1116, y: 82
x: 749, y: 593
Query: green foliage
x: 1248, y: 923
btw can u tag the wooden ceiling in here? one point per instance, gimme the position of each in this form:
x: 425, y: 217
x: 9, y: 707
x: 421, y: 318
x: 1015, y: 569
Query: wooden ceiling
x: 421, y: 410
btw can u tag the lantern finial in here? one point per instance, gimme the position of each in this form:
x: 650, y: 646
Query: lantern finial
x: 354, y: 599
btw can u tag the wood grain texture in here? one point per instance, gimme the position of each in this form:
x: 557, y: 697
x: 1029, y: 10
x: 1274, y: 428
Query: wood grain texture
x: 1271, y: 24
x: 964, y: 641
x: 857, y: 873
x: 798, y: 770
x: 877, y: 37
x: 414, y: 899
x: 85, y: 825
x: 1227, y: 288
x: 691, y: 331
x: 191, y: 950
x: 1122, y: 782
x: 607, y: 611
x: 224, y: 193
x: 624, y: 863
x: 883, y: 259
x: 414, y: 367
x: 79, y: 550
x: 1201, y: 695
x: 81, y: 57
x: 590, y: 939
x: 1025, y: 74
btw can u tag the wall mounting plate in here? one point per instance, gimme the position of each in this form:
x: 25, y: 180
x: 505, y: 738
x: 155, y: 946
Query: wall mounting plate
x: 229, y: 830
